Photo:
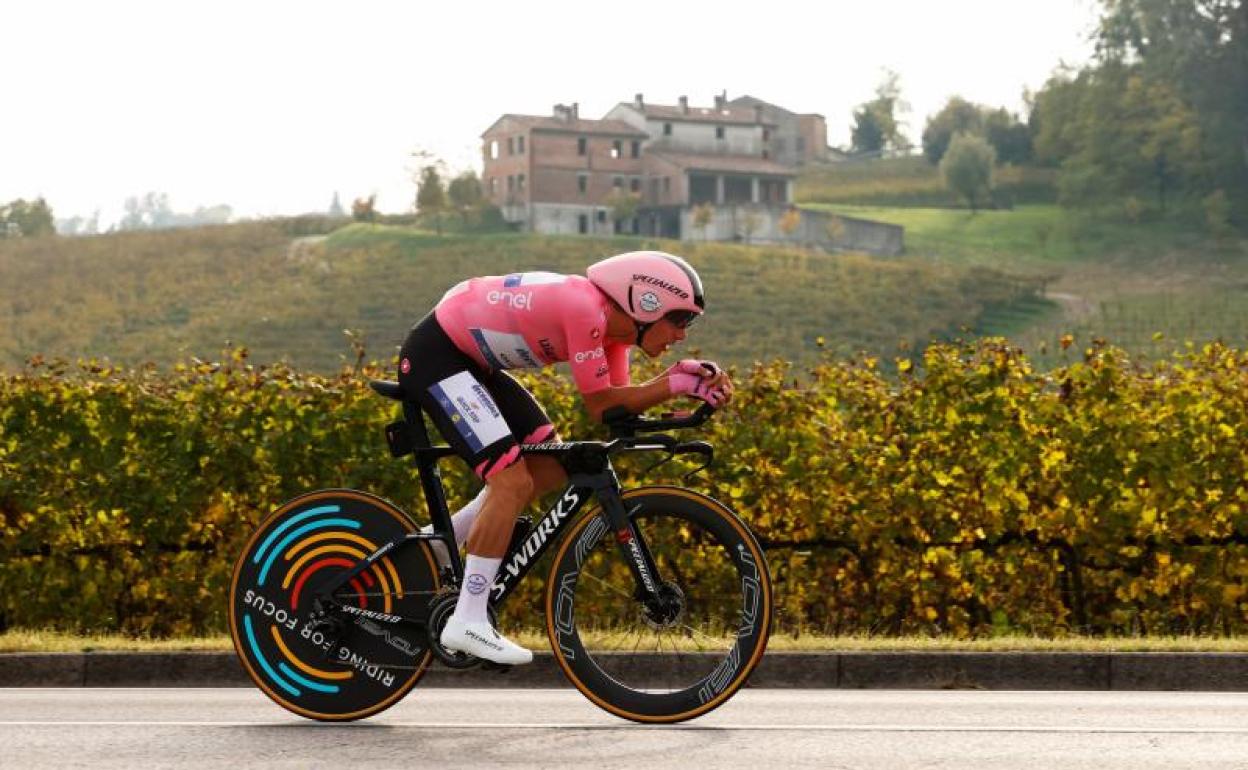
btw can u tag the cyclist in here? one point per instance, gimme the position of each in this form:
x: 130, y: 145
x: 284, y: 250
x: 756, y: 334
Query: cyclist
x: 454, y: 360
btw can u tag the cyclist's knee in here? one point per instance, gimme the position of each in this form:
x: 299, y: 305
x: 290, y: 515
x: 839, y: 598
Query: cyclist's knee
x: 513, y: 483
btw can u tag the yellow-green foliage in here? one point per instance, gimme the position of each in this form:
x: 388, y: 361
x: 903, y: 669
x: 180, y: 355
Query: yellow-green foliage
x: 970, y: 495
x: 164, y: 296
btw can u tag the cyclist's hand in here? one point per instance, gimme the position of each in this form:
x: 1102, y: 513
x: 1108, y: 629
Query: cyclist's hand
x: 701, y: 379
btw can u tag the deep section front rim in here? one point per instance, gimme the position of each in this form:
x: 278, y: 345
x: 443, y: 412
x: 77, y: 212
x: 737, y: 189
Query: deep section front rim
x: 679, y: 660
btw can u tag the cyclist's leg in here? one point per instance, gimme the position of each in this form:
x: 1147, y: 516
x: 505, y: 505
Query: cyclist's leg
x: 529, y: 421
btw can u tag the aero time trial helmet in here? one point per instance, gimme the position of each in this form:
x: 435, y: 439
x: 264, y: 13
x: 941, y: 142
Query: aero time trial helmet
x: 650, y: 285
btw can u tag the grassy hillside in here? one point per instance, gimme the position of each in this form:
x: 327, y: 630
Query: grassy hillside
x: 165, y: 295
x: 913, y: 182
x: 1149, y: 286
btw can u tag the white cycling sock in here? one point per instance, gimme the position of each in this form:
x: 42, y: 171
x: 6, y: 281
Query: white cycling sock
x: 462, y: 519
x: 474, y: 595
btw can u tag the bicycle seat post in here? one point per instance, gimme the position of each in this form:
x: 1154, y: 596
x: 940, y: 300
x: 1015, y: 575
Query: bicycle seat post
x: 431, y: 479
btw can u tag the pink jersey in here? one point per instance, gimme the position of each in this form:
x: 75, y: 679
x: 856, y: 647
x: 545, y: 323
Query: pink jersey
x: 531, y: 320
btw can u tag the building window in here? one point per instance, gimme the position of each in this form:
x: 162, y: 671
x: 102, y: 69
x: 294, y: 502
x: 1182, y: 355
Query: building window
x: 654, y: 190
x: 581, y: 145
x: 667, y: 129
x: 582, y: 223
x: 636, y: 149
x: 602, y: 215
x: 766, y: 135
x: 520, y: 144
x: 634, y: 185
x: 618, y: 182
x: 764, y: 155
x: 616, y: 148
x: 719, y: 132
x: 493, y: 149
x: 511, y: 145
x: 667, y: 185
x: 511, y: 183
x: 582, y: 183
x: 493, y: 186
x: 801, y: 144
x: 520, y: 182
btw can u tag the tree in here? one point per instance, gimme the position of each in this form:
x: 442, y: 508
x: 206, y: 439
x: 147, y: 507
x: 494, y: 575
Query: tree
x: 967, y: 168
x: 750, y: 222
x: 702, y: 216
x: 957, y: 116
x: 364, y: 209
x: 623, y: 205
x: 431, y: 195
x: 26, y: 219
x: 876, y: 123
x: 790, y: 221
x: 465, y: 193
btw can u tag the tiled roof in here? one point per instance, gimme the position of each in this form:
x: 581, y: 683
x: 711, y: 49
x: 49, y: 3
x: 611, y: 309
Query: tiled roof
x: 577, y: 126
x: 747, y: 164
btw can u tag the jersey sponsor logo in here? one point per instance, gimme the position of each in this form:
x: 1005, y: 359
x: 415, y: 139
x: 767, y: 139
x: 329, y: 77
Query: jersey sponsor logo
x: 502, y: 350
x: 512, y: 299
x: 662, y: 284
x: 548, y: 349
x: 595, y: 333
x: 588, y: 355
x: 649, y: 302
x: 471, y: 410
x: 602, y: 371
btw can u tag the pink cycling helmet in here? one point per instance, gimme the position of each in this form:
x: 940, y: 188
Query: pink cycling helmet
x: 649, y: 285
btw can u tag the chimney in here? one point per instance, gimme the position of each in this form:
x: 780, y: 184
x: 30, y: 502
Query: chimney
x: 721, y: 100
x: 639, y: 102
x: 576, y: 111
x: 684, y: 104
x: 562, y: 112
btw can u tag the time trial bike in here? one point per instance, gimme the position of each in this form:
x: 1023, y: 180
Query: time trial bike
x: 658, y: 601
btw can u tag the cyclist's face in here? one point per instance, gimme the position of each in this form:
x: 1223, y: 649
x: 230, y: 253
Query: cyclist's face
x: 660, y: 336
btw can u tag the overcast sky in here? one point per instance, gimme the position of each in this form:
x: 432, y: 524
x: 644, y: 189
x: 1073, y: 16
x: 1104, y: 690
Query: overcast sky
x: 272, y: 106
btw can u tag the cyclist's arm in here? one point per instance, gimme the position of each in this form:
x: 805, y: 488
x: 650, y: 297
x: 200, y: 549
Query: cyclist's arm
x: 636, y: 398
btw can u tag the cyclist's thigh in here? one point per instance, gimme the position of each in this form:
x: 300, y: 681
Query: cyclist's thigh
x: 528, y: 420
x: 450, y: 388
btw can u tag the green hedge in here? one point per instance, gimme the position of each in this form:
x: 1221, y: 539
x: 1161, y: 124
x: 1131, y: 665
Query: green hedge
x: 967, y: 495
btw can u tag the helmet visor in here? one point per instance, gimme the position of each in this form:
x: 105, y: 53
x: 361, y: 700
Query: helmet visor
x: 681, y: 319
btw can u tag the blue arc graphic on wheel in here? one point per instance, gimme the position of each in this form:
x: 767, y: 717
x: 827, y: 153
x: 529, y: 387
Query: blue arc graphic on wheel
x: 292, y: 521
x: 293, y: 536
x: 264, y: 664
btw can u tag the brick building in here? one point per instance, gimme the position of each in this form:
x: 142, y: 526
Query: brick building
x: 563, y: 173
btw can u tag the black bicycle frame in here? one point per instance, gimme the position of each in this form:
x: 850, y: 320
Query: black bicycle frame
x: 590, y: 474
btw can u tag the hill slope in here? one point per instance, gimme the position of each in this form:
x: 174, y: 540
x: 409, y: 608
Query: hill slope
x: 165, y: 295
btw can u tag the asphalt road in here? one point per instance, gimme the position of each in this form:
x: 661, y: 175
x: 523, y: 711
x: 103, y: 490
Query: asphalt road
x: 239, y: 728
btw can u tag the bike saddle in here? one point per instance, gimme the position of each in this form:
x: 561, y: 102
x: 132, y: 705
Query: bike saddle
x: 387, y: 388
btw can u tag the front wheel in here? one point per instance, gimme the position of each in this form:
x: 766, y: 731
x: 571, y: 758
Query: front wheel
x: 688, y: 654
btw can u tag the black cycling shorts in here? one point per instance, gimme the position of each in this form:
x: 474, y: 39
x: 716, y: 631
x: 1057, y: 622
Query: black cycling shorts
x: 484, y: 416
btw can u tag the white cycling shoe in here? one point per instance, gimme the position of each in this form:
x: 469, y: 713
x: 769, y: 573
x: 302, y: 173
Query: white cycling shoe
x: 482, y: 641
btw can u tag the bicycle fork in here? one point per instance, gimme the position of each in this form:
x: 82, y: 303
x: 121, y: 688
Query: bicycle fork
x: 632, y: 544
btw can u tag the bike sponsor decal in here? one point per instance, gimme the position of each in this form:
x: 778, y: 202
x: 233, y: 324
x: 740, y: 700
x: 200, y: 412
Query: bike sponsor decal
x: 393, y: 639
x: 626, y: 538
x: 535, y: 543
x: 565, y: 614
x: 371, y: 614
x: 362, y: 664
x: 269, y: 609
x: 649, y: 302
x: 751, y: 592
x: 548, y: 350
x: 722, y: 675
x: 471, y: 409
x: 504, y: 350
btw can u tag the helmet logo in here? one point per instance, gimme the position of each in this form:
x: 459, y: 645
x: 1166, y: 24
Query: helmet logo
x: 649, y: 302
x: 662, y: 284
